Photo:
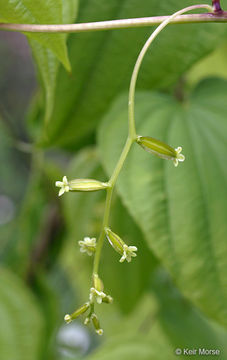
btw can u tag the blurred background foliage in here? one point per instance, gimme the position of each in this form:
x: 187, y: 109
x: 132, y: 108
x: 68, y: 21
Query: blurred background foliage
x: 63, y: 111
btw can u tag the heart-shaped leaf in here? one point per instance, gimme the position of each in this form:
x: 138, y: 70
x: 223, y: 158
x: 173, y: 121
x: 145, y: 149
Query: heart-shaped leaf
x: 182, y: 211
x: 48, y: 63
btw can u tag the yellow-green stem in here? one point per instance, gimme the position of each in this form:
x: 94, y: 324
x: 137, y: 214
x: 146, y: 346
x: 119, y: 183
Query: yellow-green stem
x: 109, y: 192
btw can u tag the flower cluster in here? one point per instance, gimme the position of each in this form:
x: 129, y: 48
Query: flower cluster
x: 90, y: 247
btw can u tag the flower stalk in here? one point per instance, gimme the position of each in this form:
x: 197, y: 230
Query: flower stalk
x: 150, y: 144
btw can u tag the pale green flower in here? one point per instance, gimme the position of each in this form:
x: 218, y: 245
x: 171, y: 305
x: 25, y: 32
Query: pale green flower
x: 98, y: 295
x: 64, y: 186
x: 179, y: 157
x: 88, y: 245
x: 128, y: 253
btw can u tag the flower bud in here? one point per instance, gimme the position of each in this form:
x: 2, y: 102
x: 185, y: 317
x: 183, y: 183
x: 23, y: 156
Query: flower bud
x: 126, y: 252
x: 96, y: 324
x: 107, y: 299
x: 86, y: 185
x: 68, y: 318
x: 98, y: 284
x: 160, y: 149
x: 79, y: 185
x: 115, y: 241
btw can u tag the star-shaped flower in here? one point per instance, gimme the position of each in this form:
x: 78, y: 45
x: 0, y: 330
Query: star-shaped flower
x: 179, y: 156
x: 88, y: 245
x: 98, y: 295
x: 64, y: 186
x: 128, y: 253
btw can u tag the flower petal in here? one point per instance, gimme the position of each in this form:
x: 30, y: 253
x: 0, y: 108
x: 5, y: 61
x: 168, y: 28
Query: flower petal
x: 65, y: 180
x: 61, y: 191
x: 181, y: 157
x: 59, y: 183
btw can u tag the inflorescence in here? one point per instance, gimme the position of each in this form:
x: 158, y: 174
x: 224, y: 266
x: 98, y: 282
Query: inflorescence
x: 89, y: 245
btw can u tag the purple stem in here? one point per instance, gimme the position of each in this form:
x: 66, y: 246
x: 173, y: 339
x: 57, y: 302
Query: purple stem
x: 216, y: 6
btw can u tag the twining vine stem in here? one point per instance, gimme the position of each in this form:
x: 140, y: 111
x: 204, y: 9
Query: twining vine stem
x: 216, y: 6
x: 131, y: 126
x: 215, y: 15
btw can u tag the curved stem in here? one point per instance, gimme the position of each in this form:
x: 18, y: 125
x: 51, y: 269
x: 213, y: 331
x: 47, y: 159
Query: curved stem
x: 131, y: 100
x: 131, y: 129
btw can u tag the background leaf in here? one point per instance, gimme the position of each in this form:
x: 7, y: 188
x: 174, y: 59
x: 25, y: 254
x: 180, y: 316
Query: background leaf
x: 38, y: 12
x: 21, y: 320
x: 181, y: 211
x: 47, y: 62
x: 102, y: 63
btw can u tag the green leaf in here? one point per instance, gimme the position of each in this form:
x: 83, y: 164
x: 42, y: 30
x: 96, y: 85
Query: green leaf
x: 205, y: 68
x: 21, y: 321
x: 48, y: 66
x: 184, y: 325
x: 84, y: 214
x: 134, y: 348
x: 180, y: 210
x: 47, y: 62
x: 102, y: 63
x: 29, y: 244
x: 38, y: 12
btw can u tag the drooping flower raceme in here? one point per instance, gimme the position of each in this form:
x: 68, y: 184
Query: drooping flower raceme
x: 88, y: 245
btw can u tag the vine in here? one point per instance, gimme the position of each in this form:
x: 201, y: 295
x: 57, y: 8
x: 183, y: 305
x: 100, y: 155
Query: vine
x: 216, y: 14
x: 154, y: 146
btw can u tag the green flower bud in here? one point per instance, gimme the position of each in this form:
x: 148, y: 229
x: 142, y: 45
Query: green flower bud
x: 98, y: 284
x: 126, y: 252
x: 160, y: 149
x: 107, y: 299
x: 68, y: 318
x: 79, y: 185
x: 96, y: 324
x: 115, y: 241
x: 86, y: 185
